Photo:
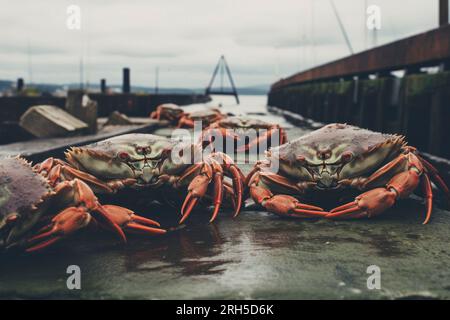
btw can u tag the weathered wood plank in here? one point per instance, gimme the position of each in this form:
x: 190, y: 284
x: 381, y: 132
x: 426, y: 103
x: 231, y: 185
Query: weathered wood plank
x: 50, y: 121
x: 39, y: 149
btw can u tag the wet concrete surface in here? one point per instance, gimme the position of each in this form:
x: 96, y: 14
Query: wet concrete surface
x: 257, y: 255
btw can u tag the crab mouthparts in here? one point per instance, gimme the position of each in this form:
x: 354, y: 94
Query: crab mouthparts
x: 147, y: 175
x: 327, y: 181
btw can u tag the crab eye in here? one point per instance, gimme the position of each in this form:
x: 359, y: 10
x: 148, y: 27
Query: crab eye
x: 347, y: 156
x: 124, y: 156
x: 143, y: 150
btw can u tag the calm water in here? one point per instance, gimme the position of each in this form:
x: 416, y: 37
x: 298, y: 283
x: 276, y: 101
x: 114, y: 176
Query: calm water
x: 252, y: 105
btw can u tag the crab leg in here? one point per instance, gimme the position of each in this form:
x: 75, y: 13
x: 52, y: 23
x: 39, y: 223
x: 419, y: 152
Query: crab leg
x: 436, y: 177
x: 185, y: 122
x: 73, y: 219
x: 57, y: 170
x: 376, y: 201
x: 218, y: 189
x: 284, y: 205
x: 82, y: 196
x: 281, y: 204
x: 213, y: 169
x: 236, y: 176
x: 130, y: 221
x: 196, y: 189
x: 208, y: 134
x: 62, y: 225
x: 428, y: 191
x: 266, y: 136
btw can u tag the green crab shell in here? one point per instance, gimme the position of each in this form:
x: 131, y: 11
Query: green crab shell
x: 103, y: 159
x: 370, y: 151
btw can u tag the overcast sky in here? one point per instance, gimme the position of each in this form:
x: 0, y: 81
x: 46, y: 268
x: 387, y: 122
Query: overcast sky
x: 262, y: 40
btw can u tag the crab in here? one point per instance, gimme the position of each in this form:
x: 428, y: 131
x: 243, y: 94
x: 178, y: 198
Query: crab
x: 153, y: 163
x: 238, y: 128
x: 206, y: 117
x: 337, y: 157
x: 36, y: 212
x: 168, y: 111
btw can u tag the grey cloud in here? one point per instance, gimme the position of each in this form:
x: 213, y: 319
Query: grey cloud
x: 139, y: 54
x: 34, y: 49
x: 262, y: 39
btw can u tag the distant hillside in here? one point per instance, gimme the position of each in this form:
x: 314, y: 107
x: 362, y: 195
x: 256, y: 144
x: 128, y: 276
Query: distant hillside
x: 5, y: 84
x: 47, y: 87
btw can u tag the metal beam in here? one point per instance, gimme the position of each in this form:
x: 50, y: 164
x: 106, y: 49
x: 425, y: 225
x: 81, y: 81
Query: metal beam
x: 425, y: 49
x: 222, y: 66
x: 443, y: 12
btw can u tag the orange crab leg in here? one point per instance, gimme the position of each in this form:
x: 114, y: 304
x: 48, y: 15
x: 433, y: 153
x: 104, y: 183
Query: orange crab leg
x: 426, y: 183
x: 376, y: 201
x: 236, y: 176
x: 264, y: 137
x: 368, y: 204
x: 87, y: 178
x: 218, y: 132
x: 279, y: 180
x: 156, y: 114
x: 284, y: 205
x: 130, y: 221
x: 237, y: 184
x: 197, y: 189
x: 218, y: 189
x: 397, y: 162
x: 436, y: 177
x: 192, y: 202
x: 65, y: 223
x: 185, y: 122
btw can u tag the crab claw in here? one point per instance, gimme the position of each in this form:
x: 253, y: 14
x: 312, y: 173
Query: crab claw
x: 129, y: 221
x: 62, y: 225
x: 196, y: 190
x: 284, y: 205
x: 289, y: 206
x: 368, y: 204
x: 214, y: 168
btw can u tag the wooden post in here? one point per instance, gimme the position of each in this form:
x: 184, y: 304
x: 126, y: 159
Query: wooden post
x: 20, y: 84
x: 435, y: 134
x: 79, y: 105
x: 126, y: 80
x: 103, y: 86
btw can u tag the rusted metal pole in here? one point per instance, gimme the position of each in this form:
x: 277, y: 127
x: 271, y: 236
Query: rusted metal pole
x: 443, y: 12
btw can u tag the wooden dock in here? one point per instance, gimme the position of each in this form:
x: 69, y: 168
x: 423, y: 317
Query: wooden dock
x: 362, y: 90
